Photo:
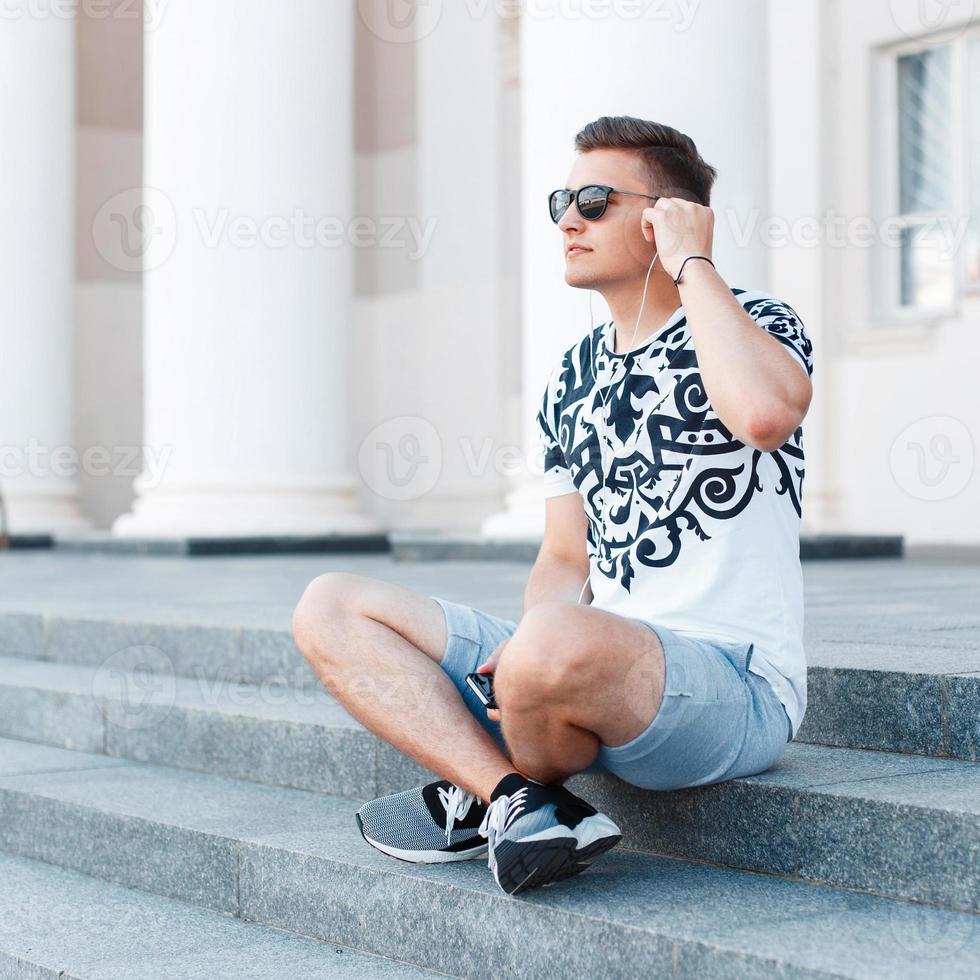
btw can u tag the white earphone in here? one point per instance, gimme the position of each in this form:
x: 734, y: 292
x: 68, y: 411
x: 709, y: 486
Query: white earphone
x: 602, y: 410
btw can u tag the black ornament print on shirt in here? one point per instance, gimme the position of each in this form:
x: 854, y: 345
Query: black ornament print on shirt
x: 669, y: 473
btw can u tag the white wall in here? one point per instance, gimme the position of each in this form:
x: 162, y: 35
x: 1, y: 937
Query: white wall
x: 891, y: 377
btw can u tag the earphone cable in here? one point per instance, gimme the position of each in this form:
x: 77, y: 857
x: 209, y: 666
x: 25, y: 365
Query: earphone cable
x: 603, y: 516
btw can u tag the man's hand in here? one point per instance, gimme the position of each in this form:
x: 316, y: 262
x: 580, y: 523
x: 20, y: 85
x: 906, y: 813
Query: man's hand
x: 490, y: 667
x: 681, y: 228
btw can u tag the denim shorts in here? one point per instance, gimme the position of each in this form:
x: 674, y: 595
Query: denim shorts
x: 717, y: 720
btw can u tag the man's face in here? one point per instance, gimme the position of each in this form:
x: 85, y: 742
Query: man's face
x: 617, y: 251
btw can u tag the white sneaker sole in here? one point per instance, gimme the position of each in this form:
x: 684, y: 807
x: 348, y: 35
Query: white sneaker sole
x: 552, y: 854
x: 427, y: 857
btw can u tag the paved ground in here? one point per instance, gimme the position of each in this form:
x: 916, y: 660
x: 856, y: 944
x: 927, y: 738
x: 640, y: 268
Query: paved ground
x: 903, y: 613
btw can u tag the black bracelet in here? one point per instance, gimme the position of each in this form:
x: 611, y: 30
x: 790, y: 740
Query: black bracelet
x: 688, y: 259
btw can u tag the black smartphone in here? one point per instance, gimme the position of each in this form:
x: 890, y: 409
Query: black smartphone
x: 482, y: 687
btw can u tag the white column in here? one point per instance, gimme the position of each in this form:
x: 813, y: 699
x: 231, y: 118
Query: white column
x: 37, y: 270
x: 247, y: 271
x: 804, y: 271
x: 701, y: 68
x: 466, y: 329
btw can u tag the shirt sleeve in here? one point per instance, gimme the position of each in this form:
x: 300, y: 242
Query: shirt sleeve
x: 557, y: 476
x: 784, y: 323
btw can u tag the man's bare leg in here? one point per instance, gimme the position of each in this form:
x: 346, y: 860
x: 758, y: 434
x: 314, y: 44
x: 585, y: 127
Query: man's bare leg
x: 571, y: 677
x: 376, y: 647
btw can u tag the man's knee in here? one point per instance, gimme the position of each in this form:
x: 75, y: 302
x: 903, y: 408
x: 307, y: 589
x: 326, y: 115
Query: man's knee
x: 545, y: 655
x: 317, y: 615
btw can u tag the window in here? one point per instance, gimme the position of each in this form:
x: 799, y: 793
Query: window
x: 925, y: 183
x: 930, y: 187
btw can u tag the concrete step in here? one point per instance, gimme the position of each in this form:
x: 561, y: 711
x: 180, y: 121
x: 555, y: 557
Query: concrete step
x: 898, y: 825
x: 98, y: 541
x: 916, y: 694
x: 426, y: 545
x: 900, y: 693
x: 404, y: 545
x: 295, y: 860
x: 57, y: 924
x: 267, y: 733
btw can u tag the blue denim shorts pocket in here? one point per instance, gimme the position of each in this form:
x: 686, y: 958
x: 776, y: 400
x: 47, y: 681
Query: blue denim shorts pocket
x: 472, y: 635
x: 740, y: 655
x: 716, y: 720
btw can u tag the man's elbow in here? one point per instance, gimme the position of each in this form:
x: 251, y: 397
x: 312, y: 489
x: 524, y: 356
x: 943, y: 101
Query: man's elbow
x: 772, y: 429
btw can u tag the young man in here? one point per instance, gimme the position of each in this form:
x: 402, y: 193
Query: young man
x: 673, y: 484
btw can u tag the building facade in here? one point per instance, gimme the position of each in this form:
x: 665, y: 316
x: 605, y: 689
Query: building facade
x: 270, y: 274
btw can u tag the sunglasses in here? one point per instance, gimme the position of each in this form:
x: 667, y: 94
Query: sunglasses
x: 591, y: 201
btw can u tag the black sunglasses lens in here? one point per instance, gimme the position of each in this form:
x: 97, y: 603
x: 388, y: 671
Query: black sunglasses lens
x: 591, y: 201
x: 558, y: 203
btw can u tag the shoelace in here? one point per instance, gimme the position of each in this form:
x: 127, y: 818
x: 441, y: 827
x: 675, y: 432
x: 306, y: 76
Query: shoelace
x: 499, y: 816
x: 457, y: 802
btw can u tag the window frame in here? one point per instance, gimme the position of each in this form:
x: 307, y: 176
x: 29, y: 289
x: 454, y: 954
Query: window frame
x: 887, y: 311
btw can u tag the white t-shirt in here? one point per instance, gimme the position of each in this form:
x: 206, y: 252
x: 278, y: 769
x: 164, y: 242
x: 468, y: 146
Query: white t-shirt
x: 701, y: 530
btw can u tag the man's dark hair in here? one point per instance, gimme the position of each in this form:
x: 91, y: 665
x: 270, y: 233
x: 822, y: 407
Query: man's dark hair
x: 672, y: 159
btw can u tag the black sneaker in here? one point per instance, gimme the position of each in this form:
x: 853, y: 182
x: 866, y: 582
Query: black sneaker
x: 540, y: 833
x: 426, y: 825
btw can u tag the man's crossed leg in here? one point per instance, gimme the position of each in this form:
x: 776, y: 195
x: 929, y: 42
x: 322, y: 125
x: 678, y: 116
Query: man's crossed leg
x: 569, y: 679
